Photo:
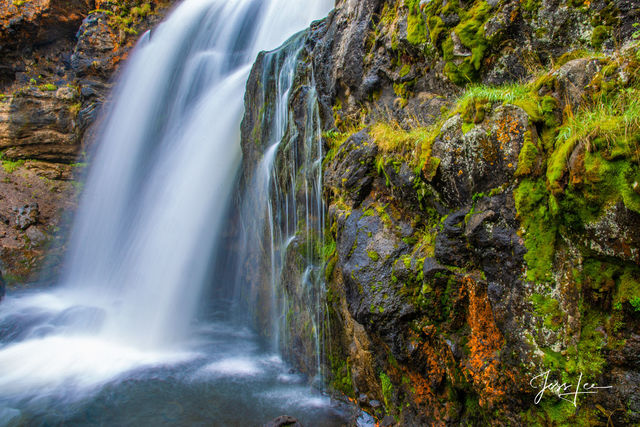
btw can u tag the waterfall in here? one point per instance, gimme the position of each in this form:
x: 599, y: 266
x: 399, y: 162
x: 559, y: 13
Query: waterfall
x: 283, y: 211
x: 156, y: 199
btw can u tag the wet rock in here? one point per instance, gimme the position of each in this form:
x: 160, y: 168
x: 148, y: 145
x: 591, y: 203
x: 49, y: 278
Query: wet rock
x: 484, y: 158
x: 36, y: 236
x: 283, y: 421
x: 450, y: 244
x: 431, y: 268
x: 26, y: 216
x: 351, y: 171
x: 367, y: 250
x: 616, y: 233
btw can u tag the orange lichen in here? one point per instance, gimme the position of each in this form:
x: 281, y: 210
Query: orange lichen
x: 508, y: 128
x: 483, y: 366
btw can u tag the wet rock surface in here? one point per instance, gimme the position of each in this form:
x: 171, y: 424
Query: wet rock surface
x: 283, y: 421
x: 475, y: 255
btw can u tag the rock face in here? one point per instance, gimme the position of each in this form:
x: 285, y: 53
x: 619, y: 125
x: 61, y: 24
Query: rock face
x: 58, y: 62
x: 40, y: 125
x: 476, y: 235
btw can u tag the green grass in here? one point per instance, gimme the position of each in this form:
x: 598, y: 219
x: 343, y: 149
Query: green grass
x: 49, y: 87
x: 387, y: 388
x: 508, y: 94
x: 10, y: 166
x: 611, y: 126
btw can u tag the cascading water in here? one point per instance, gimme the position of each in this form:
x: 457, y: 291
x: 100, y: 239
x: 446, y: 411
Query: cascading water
x: 283, y: 212
x: 154, y: 204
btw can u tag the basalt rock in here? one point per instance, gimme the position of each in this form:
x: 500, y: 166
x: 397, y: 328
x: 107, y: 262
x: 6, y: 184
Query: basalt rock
x: 497, y: 241
x: 283, y: 421
x: 352, y: 169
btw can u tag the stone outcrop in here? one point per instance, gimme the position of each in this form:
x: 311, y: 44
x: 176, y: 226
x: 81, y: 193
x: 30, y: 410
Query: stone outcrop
x: 59, y: 60
x: 40, y: 124
x: 478, y: 235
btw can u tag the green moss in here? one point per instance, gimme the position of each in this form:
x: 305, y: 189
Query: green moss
x: 387, y: 389
x: 341, y: 373
x: 416, y: 25
x: 531, y: 6
x: 528, y: 157
x: 470, y: 31
x: 49, y: 87
x: 373, y: 255
x: 532, y: 204
x: 548, y: 309
x: 436, y: 28
x: 9, y: 165
x: 406, y: 68
x: 599, y: 35
x: 570, y: 56
x: 628, y: 287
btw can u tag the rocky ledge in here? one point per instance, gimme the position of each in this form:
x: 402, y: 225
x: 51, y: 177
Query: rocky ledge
x: 59, y: 61
x: 481, y: 178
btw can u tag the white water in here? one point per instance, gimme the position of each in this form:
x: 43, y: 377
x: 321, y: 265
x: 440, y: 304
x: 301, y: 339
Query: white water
x: 154, y: 204
x: 283, y: 209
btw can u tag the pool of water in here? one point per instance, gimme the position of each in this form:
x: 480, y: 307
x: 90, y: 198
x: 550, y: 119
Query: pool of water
x: 51, y: 374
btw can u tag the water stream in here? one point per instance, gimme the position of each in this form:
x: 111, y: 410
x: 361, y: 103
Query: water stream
x: 118, y: 341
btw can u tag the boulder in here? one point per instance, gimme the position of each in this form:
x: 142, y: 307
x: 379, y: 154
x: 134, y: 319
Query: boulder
x: 351, y: 170
x: 283, y: 421
x: 26, y: 216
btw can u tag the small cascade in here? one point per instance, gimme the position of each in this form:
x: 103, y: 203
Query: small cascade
x: 283, y: 213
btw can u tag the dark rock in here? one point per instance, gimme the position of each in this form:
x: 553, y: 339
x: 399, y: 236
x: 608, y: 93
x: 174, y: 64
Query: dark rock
x: 451, y: 248
x: 484, y: 158
x: 39, y: 22
x: 282, y: 421
x: 388, y: 421
x: 431, y: 268
x: 26, y: 216
x: 367, y: 251
x: 375, y: 404
x: 351, y: 171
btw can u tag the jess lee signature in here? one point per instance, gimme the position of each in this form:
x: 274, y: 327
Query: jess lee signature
x: 564, y: 391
